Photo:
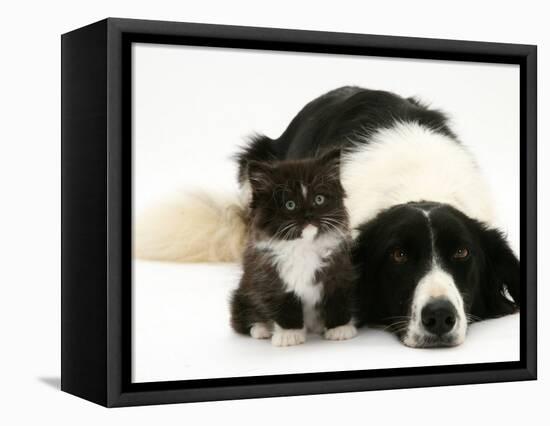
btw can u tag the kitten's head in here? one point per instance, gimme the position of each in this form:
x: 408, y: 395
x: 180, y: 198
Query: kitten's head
x: 299, y: 198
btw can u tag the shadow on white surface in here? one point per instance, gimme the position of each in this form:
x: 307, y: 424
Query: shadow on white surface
x: 53, y: 382
x: 181, y: 331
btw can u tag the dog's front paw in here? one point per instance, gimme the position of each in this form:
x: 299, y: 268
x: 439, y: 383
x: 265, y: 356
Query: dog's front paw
x: 288, y: 337
x: 342, y: 332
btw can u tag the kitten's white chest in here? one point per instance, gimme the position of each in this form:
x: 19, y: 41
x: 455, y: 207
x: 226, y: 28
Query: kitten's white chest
x: 297, y: 262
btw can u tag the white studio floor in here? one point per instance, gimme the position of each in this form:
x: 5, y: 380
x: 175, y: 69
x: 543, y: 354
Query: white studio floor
x: 181, y: 331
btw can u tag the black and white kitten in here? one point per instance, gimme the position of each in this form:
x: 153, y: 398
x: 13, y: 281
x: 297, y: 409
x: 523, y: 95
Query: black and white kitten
x: 297, y: 271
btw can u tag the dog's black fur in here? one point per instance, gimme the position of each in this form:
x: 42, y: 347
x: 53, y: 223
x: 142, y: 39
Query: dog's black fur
x: 335, y: 118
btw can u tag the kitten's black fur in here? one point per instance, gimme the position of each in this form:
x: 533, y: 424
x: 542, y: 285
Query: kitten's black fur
x: 266, y: 295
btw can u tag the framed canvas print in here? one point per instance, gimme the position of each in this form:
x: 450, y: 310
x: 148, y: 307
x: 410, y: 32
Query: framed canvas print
x: 253, y: 212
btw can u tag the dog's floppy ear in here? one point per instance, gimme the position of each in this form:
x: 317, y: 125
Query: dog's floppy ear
x: 501, y: 275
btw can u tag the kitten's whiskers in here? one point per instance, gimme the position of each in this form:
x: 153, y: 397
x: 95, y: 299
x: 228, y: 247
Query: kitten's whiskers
x: 330, y: 226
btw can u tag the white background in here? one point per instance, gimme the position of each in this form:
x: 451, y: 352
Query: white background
x: 30, y: 173
x: 193, y: 107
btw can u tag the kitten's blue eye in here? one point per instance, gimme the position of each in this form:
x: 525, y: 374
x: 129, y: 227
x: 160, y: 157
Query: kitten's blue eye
x: 319, y: 199
x: 290, y: 205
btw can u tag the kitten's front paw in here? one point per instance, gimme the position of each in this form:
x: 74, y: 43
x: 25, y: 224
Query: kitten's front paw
x: 288, y: 337
x: 260, y: 330
x: 342, y: 332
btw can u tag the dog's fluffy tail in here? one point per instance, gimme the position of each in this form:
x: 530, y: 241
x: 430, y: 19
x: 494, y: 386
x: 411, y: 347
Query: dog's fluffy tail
x: 195, y: 227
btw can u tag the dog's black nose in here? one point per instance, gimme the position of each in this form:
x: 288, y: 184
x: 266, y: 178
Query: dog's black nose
x: 439, y: 316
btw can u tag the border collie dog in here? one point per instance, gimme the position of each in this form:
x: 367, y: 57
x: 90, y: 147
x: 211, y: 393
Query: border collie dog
x: 429, y: 257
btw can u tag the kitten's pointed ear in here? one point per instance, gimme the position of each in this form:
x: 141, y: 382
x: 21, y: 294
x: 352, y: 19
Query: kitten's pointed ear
x: 330, y: 161
x: 260, y: 175
x: 331, y: 157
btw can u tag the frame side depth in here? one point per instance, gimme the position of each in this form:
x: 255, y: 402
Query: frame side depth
x: 83, y: 213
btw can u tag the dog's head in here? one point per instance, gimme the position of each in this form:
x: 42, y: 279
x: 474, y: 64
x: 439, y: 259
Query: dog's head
x: 427, y: 270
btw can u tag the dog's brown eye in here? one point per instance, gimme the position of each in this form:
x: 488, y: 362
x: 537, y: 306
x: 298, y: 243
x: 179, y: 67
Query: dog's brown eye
x: 399, y: 255
x: 461, y: 253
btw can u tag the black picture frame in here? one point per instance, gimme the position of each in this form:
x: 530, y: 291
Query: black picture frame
x: 96, y: 211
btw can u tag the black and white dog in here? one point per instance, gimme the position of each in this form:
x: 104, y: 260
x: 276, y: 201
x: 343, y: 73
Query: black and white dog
x: 428, y: 254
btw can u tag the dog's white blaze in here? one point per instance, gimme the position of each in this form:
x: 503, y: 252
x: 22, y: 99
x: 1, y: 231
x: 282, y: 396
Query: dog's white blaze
x: 409, y: 162
x: 297, y: 261
x: 436, y: 283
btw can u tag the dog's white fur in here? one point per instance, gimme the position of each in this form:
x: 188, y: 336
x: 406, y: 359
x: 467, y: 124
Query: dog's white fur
x: 195, y: 227
x: 410, y: 162
x: 407, y: 162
